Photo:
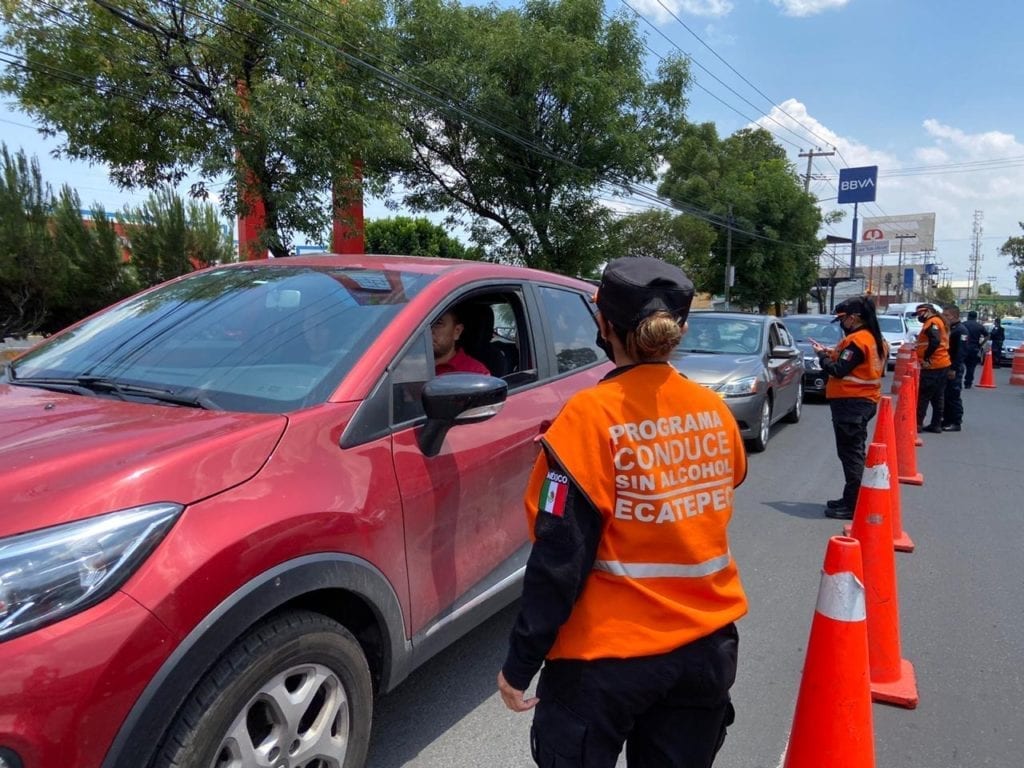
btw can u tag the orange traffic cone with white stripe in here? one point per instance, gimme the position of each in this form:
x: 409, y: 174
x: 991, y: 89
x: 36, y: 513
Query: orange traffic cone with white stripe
x: 832, y: 724
x: 1017, y: 371
x: 885, y: 433
x: 892, y: 677
x: 988, y: 377
x: 906, y: 432
x: 904, y: 355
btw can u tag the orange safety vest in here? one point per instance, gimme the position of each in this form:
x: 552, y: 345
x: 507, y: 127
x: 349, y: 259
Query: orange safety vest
x: 864, y: 381
x: 940, y: 357
x: 658, y: 456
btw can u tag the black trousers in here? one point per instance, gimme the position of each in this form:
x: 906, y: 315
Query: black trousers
x: 850, y: 417
x: 971, y: 361
x: 953, y: 404
x: 932, y: 392
x: 670, y: 710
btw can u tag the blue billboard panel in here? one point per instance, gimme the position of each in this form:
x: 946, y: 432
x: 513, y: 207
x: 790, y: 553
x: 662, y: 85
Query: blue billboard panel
x: 908, y: 278
x: 858, y: 185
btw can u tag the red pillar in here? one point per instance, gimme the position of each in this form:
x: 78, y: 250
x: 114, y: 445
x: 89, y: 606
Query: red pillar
x: 348, y: 231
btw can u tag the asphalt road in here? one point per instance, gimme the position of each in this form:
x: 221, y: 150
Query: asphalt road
x: 961, y: 602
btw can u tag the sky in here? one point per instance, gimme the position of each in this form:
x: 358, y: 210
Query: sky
x: 930, y: 91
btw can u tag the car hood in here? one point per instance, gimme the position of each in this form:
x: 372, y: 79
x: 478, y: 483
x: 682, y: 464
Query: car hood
x: 65, y: 457
x: 712, y: 370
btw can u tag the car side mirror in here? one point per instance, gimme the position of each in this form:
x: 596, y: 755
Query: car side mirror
x: 457, y: 398
x: 784, y: 352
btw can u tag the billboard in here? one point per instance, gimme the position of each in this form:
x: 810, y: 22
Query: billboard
x: 917, y: 229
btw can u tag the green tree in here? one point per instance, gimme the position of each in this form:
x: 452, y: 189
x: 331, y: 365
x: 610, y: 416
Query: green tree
x: 676, y: 238
x: 1014, y: 249
x: 560, y: 106
x: 169, y: 237
x: 261, y: 93
x: 415, y: 237
x: 944, y: 295
x: 98, y: 273
x: 775, y: 223
x: 33, y: 274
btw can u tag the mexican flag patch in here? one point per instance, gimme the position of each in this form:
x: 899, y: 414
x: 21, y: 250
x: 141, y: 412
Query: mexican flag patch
x: 553, y: 494
x: 847, y: 354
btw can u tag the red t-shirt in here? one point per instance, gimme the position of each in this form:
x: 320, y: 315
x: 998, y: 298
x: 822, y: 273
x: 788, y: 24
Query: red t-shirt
x: 461, y: 363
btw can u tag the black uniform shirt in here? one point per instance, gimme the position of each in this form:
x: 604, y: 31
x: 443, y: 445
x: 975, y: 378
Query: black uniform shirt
x: 957, y: 343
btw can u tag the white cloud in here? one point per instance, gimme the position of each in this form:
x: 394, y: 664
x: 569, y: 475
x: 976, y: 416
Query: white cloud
x: 807, y: 7
x: 983, y: 171
x: 661, y: 11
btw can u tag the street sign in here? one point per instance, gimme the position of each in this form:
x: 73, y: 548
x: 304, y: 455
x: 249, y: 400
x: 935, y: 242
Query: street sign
x: 873, y: 248
x: 858, y: 185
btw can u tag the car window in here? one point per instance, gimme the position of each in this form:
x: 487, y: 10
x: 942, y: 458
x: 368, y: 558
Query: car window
x: 722, y: 335
x: 891, y: 324
x: 255, y: 339
x: 573, y: 328
x: 820, y: 329
x: 779, y: 336
x: 493, y: 333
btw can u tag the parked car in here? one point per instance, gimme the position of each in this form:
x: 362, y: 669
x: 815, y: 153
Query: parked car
x: 240, y: 505
x: 896, y: 332
x: 752, y: 362
x: 821, y: 329
x: 1013, y: 340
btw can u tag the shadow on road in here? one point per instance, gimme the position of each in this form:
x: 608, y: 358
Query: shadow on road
x: 806, y: 510
x: 440, y: 693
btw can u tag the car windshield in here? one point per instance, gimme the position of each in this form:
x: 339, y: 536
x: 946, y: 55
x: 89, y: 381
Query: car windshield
x: 1013, y: 332
x: 890, y: 324
x: 821, y: 329
x: 722, y: 335
x: 254, y: 339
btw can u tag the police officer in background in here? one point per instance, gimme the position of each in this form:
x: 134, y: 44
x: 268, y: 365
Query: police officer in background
x: 933, y: 355
x: 855, y: 369
x: 997, y: 337
x: 630, y: 593
x: 976, y: 338
x: 953, y: 406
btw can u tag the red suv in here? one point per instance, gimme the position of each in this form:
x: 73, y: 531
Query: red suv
x: 240, y: 504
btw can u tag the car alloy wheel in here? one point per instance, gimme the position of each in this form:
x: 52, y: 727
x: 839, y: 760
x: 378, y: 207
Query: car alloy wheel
x: 294, y: 692
x: 760, y: 442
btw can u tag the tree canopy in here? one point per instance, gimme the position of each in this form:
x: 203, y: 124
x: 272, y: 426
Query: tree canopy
x: 537, y: 109
x: 405, y: 235
x: 746, y: 179
x: 1014, y: 248
x: 263, y: 94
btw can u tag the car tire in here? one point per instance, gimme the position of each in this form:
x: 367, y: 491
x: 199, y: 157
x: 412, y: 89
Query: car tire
x: 760, y: 441
x: 794, y: 415
x: 293, y: 688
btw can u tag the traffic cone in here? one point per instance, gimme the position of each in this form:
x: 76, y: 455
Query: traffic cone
x: 892, y: 677
x: 1017, y: 371
x: 988, y: 378
x: 903, y: 357
x: 832, y: 724
x: 906, y: 432
x: 885, y: 433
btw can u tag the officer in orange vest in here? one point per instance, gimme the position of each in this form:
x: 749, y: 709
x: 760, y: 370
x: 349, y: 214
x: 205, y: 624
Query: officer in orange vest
x: 933, y: 354
x: 854, y: 387
x: 631, y: 593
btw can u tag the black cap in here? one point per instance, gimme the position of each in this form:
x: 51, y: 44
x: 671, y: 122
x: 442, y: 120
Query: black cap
x: 972, y: 315
x: 924, y: 306
x: 635, y: 287
x: 852, y: 306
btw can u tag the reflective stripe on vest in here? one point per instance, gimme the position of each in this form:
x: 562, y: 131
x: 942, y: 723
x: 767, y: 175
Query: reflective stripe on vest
x: 663, y: 570
x: 841, y: 597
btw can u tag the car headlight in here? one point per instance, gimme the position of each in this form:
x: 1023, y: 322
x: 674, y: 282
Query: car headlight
x: 744, y: 386
x: 50, y: 574
x: 812, y: 363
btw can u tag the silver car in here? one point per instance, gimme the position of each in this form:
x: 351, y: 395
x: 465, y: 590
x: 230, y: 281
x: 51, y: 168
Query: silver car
x: 752, y: 362
x: 896, y: 331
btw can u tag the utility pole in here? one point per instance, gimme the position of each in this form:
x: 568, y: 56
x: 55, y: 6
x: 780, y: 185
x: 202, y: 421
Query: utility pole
x: 810, y: 155
x: 728, y: 258
x: 972, y: 285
